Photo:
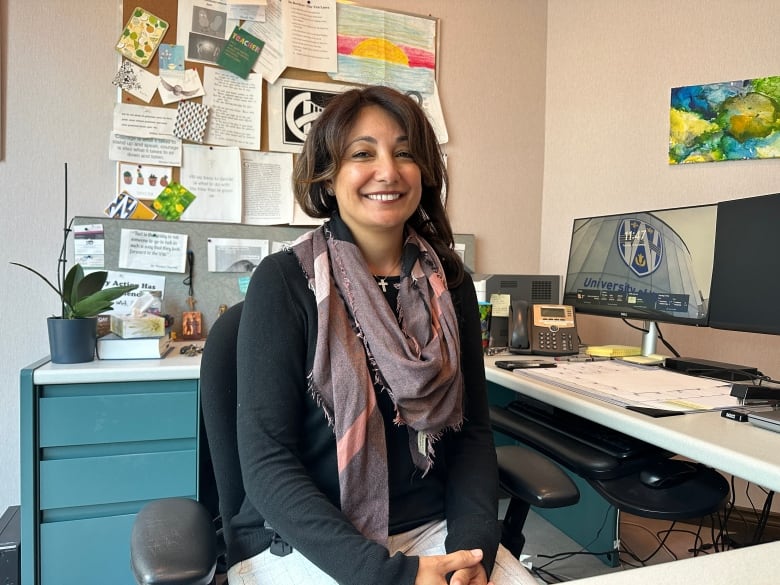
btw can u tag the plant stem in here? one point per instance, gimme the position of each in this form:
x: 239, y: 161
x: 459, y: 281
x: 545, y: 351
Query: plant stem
x: 63, y: 259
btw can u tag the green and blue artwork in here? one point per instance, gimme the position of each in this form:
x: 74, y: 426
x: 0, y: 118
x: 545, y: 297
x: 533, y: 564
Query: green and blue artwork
x: 734, y: 120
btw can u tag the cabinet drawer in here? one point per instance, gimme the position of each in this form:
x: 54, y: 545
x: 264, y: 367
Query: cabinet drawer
x: 109, y: 418
x: 132, y: 477
x: 94, y: 551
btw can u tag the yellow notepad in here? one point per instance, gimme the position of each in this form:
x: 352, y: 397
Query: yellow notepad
x: 613, y: 350
x: 646, y: 360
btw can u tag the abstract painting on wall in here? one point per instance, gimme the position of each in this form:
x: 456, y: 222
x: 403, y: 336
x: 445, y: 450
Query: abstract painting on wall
x: 733, y: 120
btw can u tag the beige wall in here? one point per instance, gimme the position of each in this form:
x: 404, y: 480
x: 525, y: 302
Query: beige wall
x: 610, y: 66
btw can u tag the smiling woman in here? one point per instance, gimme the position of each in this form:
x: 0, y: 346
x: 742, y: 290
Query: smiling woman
x: 360, y: 364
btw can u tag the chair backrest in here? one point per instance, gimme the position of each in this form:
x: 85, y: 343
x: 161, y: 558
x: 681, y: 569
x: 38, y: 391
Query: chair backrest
x: 218, y: 407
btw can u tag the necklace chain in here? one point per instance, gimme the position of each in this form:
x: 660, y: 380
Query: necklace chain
x: 392, y: 268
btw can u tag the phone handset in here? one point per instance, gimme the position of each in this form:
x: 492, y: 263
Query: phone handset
x: 518, y: 327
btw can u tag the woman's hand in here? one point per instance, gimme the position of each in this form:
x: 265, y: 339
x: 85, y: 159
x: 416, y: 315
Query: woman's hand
x: 464, y: 565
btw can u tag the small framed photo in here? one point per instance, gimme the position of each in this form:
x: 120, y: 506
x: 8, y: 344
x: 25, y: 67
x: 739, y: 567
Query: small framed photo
x: 191, y: 327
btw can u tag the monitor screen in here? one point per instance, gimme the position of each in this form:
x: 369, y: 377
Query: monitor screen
x: 650, y: 265
x: 746, y: 279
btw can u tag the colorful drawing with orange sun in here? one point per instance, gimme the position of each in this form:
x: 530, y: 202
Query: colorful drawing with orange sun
x: 380, y: 47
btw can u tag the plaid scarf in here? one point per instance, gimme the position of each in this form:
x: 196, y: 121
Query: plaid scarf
x: 360, y: 345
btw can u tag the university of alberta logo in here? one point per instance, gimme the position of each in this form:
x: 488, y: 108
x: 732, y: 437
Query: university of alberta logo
x: 640, y: 246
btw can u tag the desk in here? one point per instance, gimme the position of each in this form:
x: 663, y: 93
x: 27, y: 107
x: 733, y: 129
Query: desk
x: 98, y: 440
x: 740, y: 449
x: 753, y: 565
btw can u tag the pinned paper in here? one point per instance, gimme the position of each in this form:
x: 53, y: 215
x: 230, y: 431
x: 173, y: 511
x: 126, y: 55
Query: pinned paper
x: 141, y: 36
x: 171, y: 58
x: 240, y: 52
x: 136, y: 81
x: 191, y: 121
x: 173, y: 88
x: 125, y: 206
x: 172, y: 201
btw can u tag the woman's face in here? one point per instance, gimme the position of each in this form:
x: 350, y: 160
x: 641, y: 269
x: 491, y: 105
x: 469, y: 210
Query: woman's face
x: 378, y: 186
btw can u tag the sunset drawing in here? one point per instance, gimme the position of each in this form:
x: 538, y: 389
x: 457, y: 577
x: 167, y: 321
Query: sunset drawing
x: 376, y: 46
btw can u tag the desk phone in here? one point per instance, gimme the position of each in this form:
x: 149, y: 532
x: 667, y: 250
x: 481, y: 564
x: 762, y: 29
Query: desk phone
x: 542, y: 329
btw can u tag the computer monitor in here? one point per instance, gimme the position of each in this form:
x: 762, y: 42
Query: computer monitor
x: 746, y: 279
x: 650, y: 265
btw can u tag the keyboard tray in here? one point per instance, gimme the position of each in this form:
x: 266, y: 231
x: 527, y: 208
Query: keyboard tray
x: 597, y: 436
x: 577, y: 456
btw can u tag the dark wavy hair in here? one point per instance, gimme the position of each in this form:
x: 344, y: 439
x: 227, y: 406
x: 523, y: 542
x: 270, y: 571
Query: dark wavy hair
x: 320, y: 162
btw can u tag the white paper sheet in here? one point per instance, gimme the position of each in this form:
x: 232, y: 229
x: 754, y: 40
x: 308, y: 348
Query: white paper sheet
x: 146, y: 282
x: 146, y: 151
x: 626, y: 384
x: 144, y: 121
x: 235, y: 254
x: 234, y: 105
x: 310, y: 34
x: 152, y: 250
x: 202, y: 27
x: 267, y: 186
x: 213, y: 174
x: 270, y: 64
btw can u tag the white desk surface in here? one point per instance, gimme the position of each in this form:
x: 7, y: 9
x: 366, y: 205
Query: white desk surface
x: 754, y: 565
x: 174, y: 366
x: 740, y: 449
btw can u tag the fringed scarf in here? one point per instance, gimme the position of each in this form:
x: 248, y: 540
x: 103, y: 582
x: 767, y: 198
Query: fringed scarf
x: 360, y: 343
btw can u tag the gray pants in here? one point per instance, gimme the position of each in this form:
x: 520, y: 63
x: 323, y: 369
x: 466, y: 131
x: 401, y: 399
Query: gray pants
x: 294, y: 569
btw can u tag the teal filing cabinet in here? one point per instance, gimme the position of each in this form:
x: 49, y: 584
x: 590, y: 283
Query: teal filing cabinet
x: 92, y: 454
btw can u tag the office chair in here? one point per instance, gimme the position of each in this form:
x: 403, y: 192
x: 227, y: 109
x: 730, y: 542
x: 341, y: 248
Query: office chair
x: 175, y: 541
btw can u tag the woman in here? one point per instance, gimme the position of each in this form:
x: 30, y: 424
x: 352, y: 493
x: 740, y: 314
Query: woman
x: 363, y: 426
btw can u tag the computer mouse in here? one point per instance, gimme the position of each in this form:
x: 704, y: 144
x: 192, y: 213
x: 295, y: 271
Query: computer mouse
x: 667, y: 473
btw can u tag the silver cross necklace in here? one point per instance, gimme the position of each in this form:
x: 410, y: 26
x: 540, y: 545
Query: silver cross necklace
x: 382, y: 280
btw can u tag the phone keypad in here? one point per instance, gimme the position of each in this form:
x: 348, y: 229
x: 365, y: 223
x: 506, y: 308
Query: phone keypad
x: 555, y: 341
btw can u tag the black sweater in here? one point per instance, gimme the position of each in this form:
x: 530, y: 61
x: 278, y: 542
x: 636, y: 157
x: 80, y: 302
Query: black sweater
x: 288, y: 451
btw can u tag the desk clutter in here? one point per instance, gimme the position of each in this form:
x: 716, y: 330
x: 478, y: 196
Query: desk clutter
x: 139, y: 334
x: 113, y: 347
x: 637, y: 386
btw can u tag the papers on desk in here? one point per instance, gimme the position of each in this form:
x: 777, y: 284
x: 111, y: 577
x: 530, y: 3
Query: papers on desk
x: 632, y: 385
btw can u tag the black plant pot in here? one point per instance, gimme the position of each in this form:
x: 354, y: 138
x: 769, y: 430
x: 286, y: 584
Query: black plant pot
x: 72, y: 341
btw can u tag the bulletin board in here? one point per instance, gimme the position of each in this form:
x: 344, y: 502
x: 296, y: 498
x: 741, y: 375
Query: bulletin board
x: 168, y: 11
x: 324, y: 85
x: 214, y: 289
x: 211, y: 289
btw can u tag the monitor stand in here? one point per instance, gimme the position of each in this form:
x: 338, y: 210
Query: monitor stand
x: 647, y: 356
x: 649, y: 338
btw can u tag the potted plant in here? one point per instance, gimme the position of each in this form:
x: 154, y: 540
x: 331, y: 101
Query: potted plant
x: 72, y: 335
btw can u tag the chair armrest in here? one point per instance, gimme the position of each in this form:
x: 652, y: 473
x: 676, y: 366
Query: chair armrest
x: 173, y: 542
x: 533, y: 478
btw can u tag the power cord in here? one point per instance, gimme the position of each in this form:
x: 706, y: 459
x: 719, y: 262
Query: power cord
x: 541, y: 570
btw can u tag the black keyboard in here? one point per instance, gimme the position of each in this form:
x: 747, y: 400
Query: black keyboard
x: 599, y: 437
